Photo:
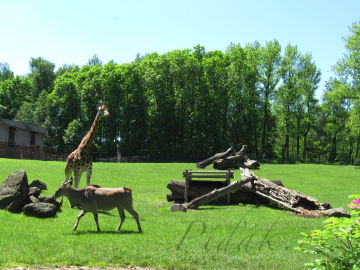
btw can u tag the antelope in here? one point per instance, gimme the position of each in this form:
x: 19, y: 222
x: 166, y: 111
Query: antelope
x: 94, y: 198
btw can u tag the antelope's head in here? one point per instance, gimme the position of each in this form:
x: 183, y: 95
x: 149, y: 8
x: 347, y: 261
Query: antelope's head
x: 61, y: 191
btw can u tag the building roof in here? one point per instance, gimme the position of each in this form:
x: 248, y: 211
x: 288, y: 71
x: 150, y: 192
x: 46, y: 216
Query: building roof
x: 26, y: 126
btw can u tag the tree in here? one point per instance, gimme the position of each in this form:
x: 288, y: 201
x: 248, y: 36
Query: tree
x: 63, y: 107
x: 13, y: 93
x: 348, y: 69
x: 336, y: 109
x: 309, y: 80
x: 73, y: 134
x: 5, y: 72
x: 244, y: 96
x: 66, y: 68
x: 270, y: 59
x: 95, y: 61
x: 287, y: 98
x: 161, y: 99
x: 91, y: 94
x: 215, y: 65
x: 42, y: 75
x: 34, y: 112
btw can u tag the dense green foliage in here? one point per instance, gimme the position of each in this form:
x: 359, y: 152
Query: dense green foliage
x: 337, y: 245
x: 213, y: 237
x: 192, y: 103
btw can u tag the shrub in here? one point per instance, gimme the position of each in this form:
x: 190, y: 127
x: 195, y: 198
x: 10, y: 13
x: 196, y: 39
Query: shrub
x: 337, y: 246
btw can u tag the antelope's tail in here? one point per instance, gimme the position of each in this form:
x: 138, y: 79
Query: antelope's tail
x: 127, y: 190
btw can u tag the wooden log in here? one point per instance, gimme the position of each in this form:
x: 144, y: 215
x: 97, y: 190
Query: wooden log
x: 242, y: 195
x: 286, y: 198
x: 238, y: 160
x: 231, y: 162
x: 197, y: 189
x: 251, y: 164
x: 243, y: 151
x: 216, y: 193
x: 208, y: 161
x: 282, y: 197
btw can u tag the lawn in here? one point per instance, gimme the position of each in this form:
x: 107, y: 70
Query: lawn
x: 213, y: 237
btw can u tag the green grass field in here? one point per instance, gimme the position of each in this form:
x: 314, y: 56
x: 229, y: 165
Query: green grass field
x: 213, y: 237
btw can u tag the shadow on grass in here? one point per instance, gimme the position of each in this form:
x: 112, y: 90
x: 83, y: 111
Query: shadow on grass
x: 204, y: 208
x: 88, y: 232
x: 225, y: 206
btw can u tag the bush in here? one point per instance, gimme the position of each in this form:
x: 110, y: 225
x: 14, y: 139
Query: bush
x: 337, y: 246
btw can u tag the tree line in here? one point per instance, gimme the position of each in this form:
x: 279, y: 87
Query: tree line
x: 191, y: 103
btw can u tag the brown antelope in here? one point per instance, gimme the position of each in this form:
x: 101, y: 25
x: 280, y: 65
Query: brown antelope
x: 94, y: 198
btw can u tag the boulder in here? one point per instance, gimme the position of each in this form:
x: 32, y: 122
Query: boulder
x: 39, y: 184
x: 278, y: 182
x: 31, y: 199
x: 14, y: 191
x: 177, y: 208
x: 50, y: 199
x: 34, y: 191
x: 336, y: 212
x: 40, y: 210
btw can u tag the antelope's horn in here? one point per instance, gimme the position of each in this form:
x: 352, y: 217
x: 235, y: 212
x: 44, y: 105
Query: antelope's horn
x: 68, y: 182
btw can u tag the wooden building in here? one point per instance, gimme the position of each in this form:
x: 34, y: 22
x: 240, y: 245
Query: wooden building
x: 21, y: 140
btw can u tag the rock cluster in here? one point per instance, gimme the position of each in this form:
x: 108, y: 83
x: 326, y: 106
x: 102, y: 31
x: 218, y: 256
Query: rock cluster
x: 17, y: 195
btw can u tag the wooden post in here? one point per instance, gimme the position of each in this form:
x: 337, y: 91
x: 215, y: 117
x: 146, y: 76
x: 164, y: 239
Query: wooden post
x: 186, y: 192
x: 228, y: 175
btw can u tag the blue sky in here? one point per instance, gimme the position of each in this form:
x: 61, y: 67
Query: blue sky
x: 72, y: 31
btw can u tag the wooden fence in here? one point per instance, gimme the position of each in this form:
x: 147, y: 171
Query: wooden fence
x: 26, y: 152
x: 22, y: 152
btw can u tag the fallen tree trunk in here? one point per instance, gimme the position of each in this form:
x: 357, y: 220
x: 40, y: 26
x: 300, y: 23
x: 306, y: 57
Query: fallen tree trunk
x: 281, y: 196
x: 238, y: 160
x: 216, y: 193
x: 199, y: 188
x: 196, y: 189
x: 265, y: 189
x: 208, y: 161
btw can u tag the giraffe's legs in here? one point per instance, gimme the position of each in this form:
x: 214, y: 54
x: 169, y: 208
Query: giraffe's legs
x: 67, y: 177
x: 77, y: 176
x: 88, y: 174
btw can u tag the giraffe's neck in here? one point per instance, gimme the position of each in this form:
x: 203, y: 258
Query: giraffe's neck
x: 89, y: 137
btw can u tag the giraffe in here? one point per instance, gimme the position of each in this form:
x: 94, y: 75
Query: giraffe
x: 80, y: 160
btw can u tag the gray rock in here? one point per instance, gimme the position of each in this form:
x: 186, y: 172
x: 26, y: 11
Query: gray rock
x: 39, y: 184
x: 31, y: 199
x: 278, y: 182
x: 34, y: 191
x: 50, y: 199
x: 14, y: 191
x: 324, y: 206
x: 40, y: 210
x: 336, y: 212
x: 177, y: 208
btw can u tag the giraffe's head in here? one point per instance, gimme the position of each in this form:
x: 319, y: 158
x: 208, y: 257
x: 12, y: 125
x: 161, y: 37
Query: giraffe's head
x: 103, y: 110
